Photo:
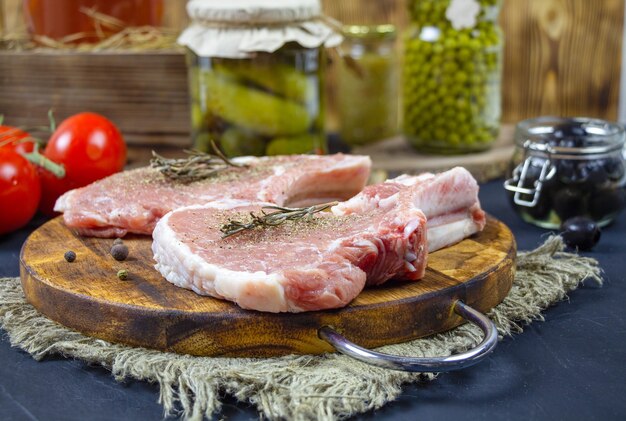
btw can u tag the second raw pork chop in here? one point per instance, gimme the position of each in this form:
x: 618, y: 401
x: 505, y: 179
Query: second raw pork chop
x: 449, y: 200
x: 134, y: 201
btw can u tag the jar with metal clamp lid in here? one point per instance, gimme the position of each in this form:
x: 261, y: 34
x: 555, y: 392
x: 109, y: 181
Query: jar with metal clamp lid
x: 567, y: 167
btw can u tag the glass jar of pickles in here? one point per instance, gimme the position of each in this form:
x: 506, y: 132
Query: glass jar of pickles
x: 452, y: 74
x: 256, y: 75
x: 372, y: 76
x: 567, y: 167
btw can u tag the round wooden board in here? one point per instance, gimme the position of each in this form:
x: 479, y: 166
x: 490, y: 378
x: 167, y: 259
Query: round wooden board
x: 146, y: 310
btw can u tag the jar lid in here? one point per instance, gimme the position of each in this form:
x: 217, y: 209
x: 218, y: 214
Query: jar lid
x: 370, y: 31
x: 240, y: 28
x: 258, y: 11
x: 569, y: 137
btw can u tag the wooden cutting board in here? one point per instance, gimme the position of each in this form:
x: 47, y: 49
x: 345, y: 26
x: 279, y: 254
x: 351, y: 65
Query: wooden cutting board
x: 146, y: 310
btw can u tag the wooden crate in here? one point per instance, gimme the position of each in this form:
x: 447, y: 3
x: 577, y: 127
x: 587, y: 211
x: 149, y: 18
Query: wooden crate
x: 144, y: 94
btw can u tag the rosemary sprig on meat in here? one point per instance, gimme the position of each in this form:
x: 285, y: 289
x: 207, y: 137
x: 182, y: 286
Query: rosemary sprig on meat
x: 196, y: 166
x: 272, y: 219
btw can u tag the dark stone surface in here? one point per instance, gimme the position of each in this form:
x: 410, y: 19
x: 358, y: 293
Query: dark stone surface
x: 572, y: 366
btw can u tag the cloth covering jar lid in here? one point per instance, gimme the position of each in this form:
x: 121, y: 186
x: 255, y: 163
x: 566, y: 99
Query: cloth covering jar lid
x: 240, y: 28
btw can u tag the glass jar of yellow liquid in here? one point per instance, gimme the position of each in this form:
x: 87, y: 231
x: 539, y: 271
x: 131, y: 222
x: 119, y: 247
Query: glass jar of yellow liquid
x: 368, y: 85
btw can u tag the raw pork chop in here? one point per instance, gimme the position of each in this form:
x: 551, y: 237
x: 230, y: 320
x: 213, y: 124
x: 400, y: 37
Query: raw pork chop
x: 299, y: 266
x: 134, y: 201
x: 449, y: 200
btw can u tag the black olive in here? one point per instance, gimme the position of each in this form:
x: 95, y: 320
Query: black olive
x: 569, y: 202
x: 567, y: 171
x: 606, y: 203
x: 592, y: 173
x: 569, y: 130
x: 581, y: 233
x: 571, y: 142
x: 614, y: 168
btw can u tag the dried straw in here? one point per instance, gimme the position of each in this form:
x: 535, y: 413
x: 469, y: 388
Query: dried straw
x: 142, y: 38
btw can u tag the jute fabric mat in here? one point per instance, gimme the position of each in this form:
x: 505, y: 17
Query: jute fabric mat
x: 296, y: 387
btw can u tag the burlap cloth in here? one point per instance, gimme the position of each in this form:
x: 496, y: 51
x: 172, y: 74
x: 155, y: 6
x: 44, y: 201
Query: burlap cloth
x: 324, y: 387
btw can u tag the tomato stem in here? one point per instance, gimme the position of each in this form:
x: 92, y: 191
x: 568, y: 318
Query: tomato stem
x: 53, y: 123
x: 40, y: 160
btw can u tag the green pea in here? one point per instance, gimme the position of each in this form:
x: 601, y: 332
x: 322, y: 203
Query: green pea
x: 461, y: 77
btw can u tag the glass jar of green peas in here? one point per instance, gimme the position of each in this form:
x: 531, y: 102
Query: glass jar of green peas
x: 452, y: 75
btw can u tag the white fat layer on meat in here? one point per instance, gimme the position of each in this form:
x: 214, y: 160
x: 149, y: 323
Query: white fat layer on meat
x: 411, y: 227
x: 447, y: 234
x: 388, y: 202
x: 180, y: 266
x: 348, y: 163
x: 246, y: 160
x: 360, y: 203
x: 345, y: 208
x: 63, y: 203
x: 266, y: 187
x: 226, y: 204
x: 410, y: 180
x: 279, y: 170
x: 409, y: 267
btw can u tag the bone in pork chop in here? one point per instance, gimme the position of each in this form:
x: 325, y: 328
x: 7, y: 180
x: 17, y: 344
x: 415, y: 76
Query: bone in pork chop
x: 134, y: 201
x: 304, y: 265
x: 449, y: 200
x: 378, y: 235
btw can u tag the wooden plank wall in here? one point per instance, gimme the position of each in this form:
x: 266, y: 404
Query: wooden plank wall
x: 562, y: 57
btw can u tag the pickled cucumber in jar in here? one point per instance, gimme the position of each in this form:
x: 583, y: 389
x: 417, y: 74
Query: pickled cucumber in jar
x: 246, y: 104
x: 452, y: 76
x: 293, y: 145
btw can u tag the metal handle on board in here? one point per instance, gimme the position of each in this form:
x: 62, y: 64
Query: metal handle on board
x: 433, y: 364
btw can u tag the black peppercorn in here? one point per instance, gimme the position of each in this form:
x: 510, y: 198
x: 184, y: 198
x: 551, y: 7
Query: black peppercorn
x: 70, y: 256
x: 119, y: 252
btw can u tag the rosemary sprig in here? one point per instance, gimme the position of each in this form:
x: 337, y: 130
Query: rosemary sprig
x: 196, y: 166
x: 272, y: 219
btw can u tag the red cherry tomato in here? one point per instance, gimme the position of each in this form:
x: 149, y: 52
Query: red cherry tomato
x: 14, y: 139
x: 19, y: 191
x: 90, y: 147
